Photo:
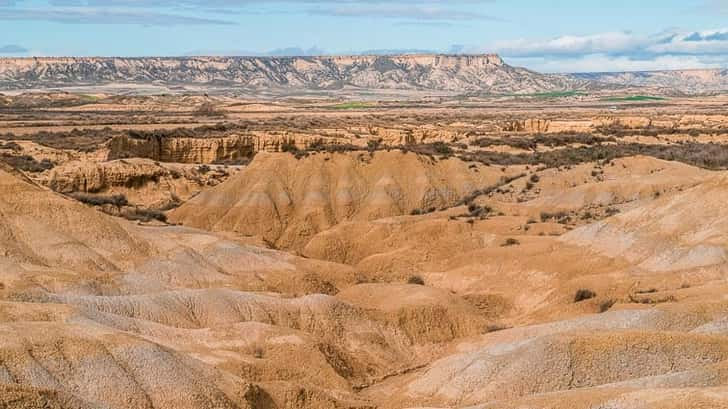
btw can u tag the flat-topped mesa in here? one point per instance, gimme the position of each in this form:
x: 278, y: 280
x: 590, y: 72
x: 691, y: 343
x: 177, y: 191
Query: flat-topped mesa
x: 441, y: 72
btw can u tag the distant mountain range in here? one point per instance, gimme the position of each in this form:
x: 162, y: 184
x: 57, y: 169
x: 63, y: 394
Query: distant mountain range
x: 453, y: 73
x: 688, y: 81
x: 485, y: 73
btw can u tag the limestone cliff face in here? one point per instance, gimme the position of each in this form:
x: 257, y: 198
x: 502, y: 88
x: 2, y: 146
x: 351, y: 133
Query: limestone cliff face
x: 457, y: 73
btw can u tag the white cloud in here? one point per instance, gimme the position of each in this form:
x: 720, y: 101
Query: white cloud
x: 618, y: 43
x: 693, y: 43
x: 178, y: 12
x: 606, y: 63
x: 106, y: 15
x: 403, y: 12
x: 618, y: 51
x: 615, y: 42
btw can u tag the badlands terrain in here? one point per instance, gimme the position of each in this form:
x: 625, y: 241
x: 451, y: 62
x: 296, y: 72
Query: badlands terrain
x: 546, y: 250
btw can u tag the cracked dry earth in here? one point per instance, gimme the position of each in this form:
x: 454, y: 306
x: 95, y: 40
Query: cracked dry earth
x: 366, y: 279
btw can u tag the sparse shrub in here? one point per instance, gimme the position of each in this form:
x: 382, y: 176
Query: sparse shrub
x: 442, y: 148
x: 584, y: 294
x: 606, y: 305
x: 705, y: 155
x: 289, y: 146
x: 374, y: 144
x: 416, y: 280
x: 117, y: 200
x: 144, y: 215
x: 495, y: 328
x: 174, y: 203
x: 207, y: 109
x: 535, y: 178
x: 203, y: 169
x: 321, y: 145
x: 611, y: 211
x: 11, y: 146
x: 475, y: 210
x: 648, y: 300
x: 360, y: 279
x: 648, y: 291
x: 431, y: 149
x: 559, y: 217
x: 27, y: 163
x: 511, y: 242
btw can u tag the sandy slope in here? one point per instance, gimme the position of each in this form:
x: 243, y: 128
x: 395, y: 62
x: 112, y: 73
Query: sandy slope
x: 100, y: 312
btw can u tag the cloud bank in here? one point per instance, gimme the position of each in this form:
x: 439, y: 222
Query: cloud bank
x: 192, y: 12
x: 617, y: 51
x: 12, y: 49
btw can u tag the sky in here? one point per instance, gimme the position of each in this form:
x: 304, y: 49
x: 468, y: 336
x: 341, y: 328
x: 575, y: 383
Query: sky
x: 547, y: 36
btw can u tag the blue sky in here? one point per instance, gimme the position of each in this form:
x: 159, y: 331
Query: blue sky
x: 553, y: 36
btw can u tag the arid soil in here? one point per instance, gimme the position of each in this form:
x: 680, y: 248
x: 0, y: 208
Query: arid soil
x: 514, y: 252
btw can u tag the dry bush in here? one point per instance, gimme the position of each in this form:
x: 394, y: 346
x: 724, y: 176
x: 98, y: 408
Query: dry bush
x: 144, y: 215
x: 584, y: 294
x: 11, y: 146
x: 559, y: 217
x: 416, y: 280
x: 510, y: 242
x: 606, y: 305
x: 320, y: 145
x: 207, y: 109
x: 27, y: 163
x: 100, y: 200
x: 704, y: 155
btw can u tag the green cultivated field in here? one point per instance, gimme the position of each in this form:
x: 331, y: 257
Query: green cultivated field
x: 352, y: 105
x: 634, y: 98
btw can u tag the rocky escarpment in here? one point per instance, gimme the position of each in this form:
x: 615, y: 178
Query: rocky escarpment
x: 183, y: 150
x: 456, y: 73
x: 223, y: 149
x: 142, y: 181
